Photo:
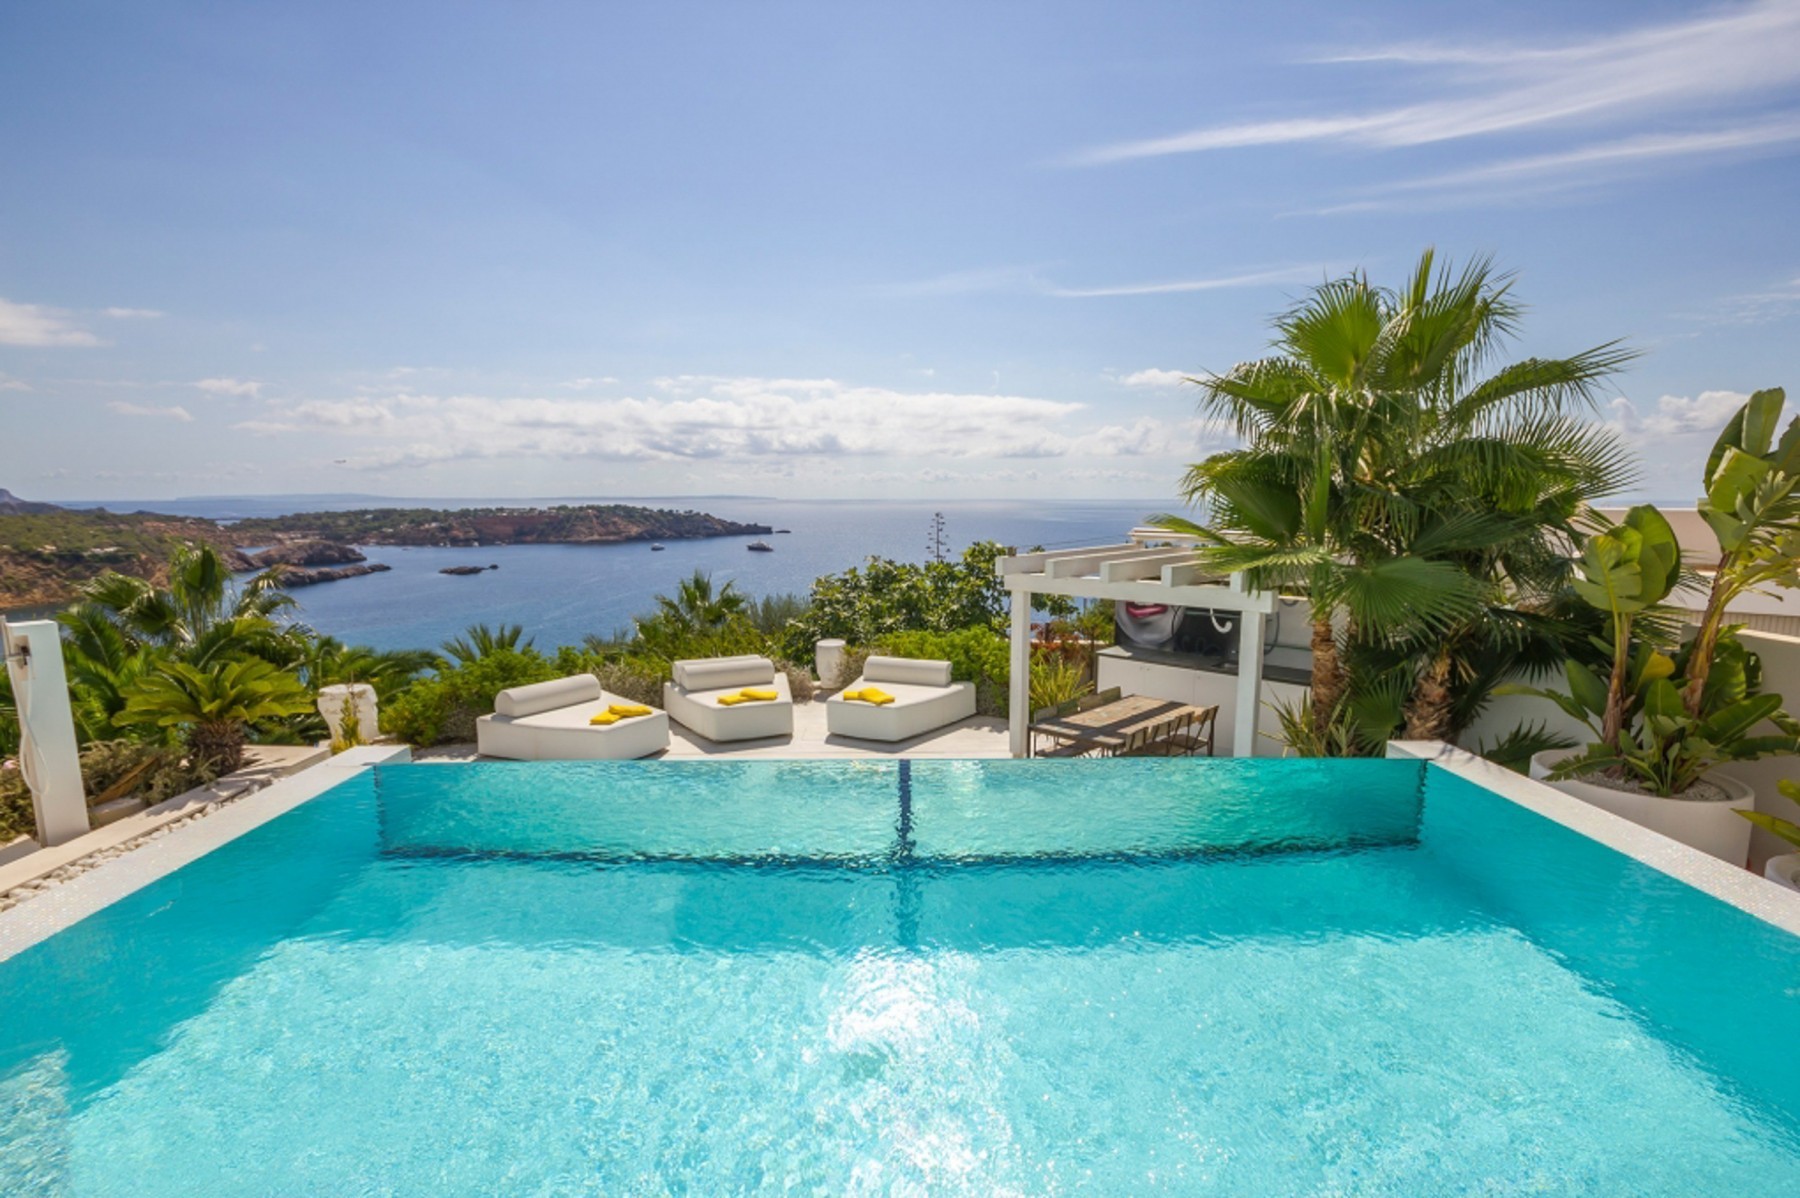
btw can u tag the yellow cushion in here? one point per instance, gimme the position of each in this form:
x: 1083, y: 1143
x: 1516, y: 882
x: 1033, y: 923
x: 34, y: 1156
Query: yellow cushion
x: 851, y: 695
x: 875, y: 695
x: 731, y: 700
x: 603, y: 717
x: 758, y: 694
x: 628, y: 709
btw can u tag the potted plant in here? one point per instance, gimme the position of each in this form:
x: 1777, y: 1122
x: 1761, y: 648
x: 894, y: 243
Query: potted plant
x: 1661, y: 721
x: 1783, y: 869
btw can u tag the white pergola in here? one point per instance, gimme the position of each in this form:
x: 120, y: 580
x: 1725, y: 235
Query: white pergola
x: 1154, y: 566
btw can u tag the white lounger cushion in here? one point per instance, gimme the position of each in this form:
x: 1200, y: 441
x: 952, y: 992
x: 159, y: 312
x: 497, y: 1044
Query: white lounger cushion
x: 519, y: 701
x: 723, y: 673
x: 915, y: 710
x: 912, y: 671
x: 700, y: 709
x: 541, y: 727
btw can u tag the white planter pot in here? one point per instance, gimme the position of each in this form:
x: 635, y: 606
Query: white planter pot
x: 1784, y: 870
x: 335, y: 700
x: 828, y: 662
x: 1711, y: 827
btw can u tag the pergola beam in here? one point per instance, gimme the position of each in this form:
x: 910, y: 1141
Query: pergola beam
x: 1133, y: 573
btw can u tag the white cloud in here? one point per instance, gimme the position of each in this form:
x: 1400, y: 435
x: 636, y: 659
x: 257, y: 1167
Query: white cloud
x: 38, y: 326
x: 1624, y: 152
x: 1729, y: 78
x: 9, y: 383
x: 1286, y: 274
x: 132, y: 313
x: 724, y: 419
x: 234, y: 388
x: 1154, y: 378
x: 1734, y: 56
x: 588, y: 384
x: 1680, y: 415
x: 172, y: 412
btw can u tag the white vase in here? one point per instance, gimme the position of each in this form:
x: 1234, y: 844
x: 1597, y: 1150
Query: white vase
x: 1784, y: 870
x: 1711, y: 827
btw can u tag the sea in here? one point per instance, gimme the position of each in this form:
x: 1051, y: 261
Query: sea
x: 562, y: 593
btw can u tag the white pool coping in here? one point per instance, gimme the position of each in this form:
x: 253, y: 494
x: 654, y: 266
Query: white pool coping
x: 32, y: 922
x: 70, y: 902
x: 1753, y: 895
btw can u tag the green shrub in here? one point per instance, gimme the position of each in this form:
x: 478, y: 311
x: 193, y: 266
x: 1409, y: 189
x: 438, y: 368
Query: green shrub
x: 975, y: 655
x: 866, y: 604
x: 443, y: 709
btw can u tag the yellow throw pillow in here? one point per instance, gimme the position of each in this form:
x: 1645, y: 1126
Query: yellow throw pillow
x: 731, y: 700
x: 628, y: 709
x: 759, y: 694
x: 875, y: 695
x: 851, y: 695
x: 603, y: 717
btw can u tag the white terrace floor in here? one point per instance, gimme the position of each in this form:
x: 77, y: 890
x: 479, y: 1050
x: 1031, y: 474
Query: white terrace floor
x: 978, y: 736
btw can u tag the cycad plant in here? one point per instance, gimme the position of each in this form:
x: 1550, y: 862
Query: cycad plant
x: 215, y: 704
x: 1402, y: 480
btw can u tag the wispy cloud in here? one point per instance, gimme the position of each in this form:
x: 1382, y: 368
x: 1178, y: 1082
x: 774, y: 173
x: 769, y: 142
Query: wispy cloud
x: 1741, y: 55
x: 171, y: 412
x: 1623, y: 152
x: 1029, y: 280
x: 726, y: 419
x: 132, y: 313
x: 38, y: 326
x: 588, y: 384
x: 1286, y: 274
x: 1154, y: 378
x: 230, y: 387
x: 9, y: 383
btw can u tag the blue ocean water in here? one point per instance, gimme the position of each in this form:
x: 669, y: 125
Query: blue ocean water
x: 826, y: 978
x: 561, y: 593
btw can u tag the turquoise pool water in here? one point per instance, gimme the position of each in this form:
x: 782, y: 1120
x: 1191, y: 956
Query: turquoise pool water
x: 1187, y: 977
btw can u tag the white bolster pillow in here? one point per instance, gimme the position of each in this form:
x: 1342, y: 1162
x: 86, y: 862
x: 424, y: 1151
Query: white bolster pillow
x: 519, y: 701
x: 717, y: 673
x: 906, y: 671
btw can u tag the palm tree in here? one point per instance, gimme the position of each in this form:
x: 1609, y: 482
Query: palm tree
x: 215, y: 704
x: 327, y: 661
x: 480, y: 641
x: 696, y: 608
x: 1393, y: 474
x: 200, y: 607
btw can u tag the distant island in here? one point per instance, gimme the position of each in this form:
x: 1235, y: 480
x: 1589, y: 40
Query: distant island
x: 47, y: 551
x: 586, y: 524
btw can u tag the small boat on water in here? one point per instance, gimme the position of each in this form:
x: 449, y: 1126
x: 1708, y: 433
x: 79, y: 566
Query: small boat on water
x: 760, y: 547
x: 657, y: 547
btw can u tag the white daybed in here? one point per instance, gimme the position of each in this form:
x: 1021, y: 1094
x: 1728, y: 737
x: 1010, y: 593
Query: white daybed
x: 548, y: 721
x: 692, y: 699
x: 924, y: 699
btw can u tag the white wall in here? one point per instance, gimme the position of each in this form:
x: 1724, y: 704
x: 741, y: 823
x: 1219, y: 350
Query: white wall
x: 1202, y: 688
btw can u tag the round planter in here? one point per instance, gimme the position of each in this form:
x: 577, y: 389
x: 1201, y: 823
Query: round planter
x: 1711, y: 827
x: 1784, y: 870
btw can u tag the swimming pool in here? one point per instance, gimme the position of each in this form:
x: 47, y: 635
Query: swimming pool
x: 1196, y: 977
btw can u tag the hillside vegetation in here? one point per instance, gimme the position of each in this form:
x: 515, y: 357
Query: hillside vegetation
x: 577, y: 525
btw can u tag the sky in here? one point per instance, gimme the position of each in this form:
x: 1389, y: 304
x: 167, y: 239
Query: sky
x: 838, y: 250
